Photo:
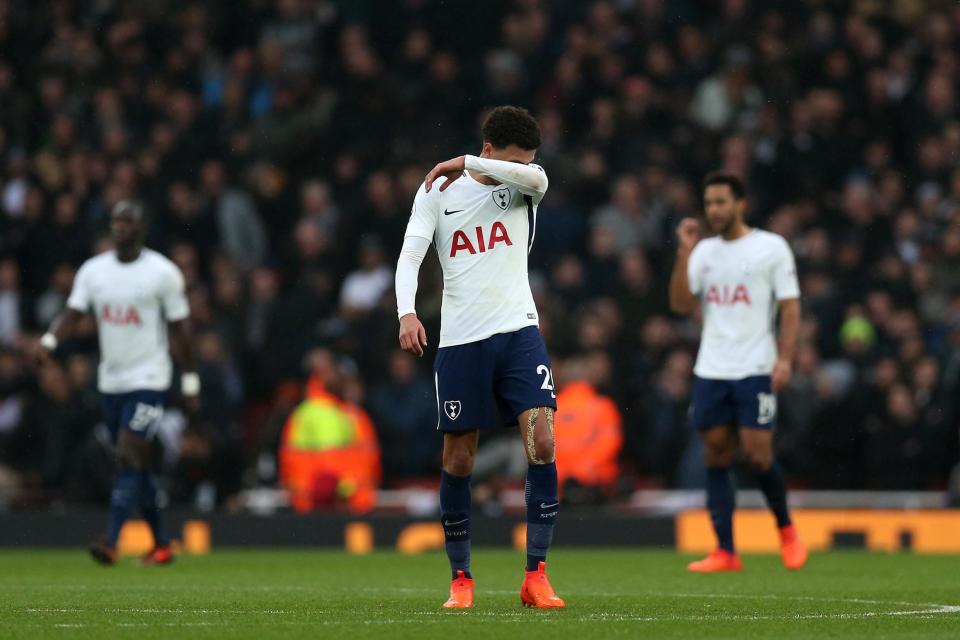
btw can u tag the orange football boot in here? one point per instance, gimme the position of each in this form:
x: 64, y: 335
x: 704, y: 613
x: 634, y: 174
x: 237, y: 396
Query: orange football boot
x: 461, y: 592
x: 718, y: 561
x: 159, y: 556
x: 537, y: 592
x: 792, y: 550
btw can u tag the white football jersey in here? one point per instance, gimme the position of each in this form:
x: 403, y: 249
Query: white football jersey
x: 740, y: 284
x: 132, y: 302
x: 482, y: 235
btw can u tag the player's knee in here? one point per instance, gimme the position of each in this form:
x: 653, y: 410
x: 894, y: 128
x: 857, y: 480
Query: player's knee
x: 132, y: 452
x: 759, y: 458
x: 544, y: 446
x: 458, y: 462
x: 718, y: 454
x: 539, y: 437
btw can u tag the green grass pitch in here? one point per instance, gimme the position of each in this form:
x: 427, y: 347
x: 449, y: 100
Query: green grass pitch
x: 610, y: 593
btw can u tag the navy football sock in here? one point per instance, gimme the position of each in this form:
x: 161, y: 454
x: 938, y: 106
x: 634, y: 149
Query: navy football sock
x: 455, y: 507
x: 774, y: 488
x: 720, y: 502
x: 543, y: 505
x: 150, y: 506
x: 123, y: 499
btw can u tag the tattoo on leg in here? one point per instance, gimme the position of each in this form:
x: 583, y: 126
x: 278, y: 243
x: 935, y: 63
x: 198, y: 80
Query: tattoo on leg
x: 531, y: 431
x: 531, y: 428
x: 548, y: 412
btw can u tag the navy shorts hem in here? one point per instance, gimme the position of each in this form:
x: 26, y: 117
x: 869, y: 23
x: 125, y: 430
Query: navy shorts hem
x: 135, y: 412
x: 748, y: 403
x: 520, y: 410
x: 487, y: 384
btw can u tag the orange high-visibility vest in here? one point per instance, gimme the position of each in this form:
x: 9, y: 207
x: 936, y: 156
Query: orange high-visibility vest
x: 589, y: 435
x: 326, y: 436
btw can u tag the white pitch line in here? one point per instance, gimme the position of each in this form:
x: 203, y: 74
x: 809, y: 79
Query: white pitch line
x: 178, y: 611
x: 32, y: 610
x: 774, y: 596
x: 928, y: 610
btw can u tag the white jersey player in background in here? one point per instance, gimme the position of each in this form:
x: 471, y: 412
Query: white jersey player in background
x: 137, y: 298
x: 741, y: 279
x: 492, y: 367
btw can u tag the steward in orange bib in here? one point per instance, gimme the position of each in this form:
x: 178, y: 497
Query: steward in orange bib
x: 329, y: 451
x: 588, y: 432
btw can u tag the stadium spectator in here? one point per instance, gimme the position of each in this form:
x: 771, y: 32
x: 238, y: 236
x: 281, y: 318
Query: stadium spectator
x: 400, y: 407
x: 363, y: 287
x: 241, y: 232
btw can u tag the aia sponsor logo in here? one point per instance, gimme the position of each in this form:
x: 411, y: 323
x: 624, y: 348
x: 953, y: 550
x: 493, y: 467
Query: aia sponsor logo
x: 727, y: 296
x: 481, y: 243
x: 121, y: 315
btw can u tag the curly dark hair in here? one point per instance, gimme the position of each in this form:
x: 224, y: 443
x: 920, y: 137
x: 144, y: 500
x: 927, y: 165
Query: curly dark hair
x: 511, y: 125
x: 737, y: 188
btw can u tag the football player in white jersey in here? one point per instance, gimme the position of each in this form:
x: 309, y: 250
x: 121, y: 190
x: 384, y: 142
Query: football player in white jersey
x: 491, y: 367
x: 137, y: 297
x: 741, y: 278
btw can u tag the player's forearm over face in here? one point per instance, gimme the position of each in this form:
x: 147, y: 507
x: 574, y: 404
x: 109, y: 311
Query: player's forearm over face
x: 529, y: 180
x: 681, y: 299
x: 789, y: 328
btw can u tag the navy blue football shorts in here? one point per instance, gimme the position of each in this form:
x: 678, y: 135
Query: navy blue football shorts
x: 138, y: 412
x: 749, y: 402
x: 489, y: 383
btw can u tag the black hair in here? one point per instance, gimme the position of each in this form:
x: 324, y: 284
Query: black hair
x: 736, y: 185
x: 511, y: 125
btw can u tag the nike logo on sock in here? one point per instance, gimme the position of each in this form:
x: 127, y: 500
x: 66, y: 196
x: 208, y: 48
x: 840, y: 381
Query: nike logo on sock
x: 450, y: 524
x: 548, y: 506
x: 450, y: 213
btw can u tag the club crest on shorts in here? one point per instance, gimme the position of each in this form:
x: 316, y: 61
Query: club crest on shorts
x: 452, y: 409
x: 501, y: 197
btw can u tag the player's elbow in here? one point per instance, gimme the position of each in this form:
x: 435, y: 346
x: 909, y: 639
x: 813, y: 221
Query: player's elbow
x: 534, y: 191
x: 540, y: 183
x: 535, y: 183
x: 790, y: 308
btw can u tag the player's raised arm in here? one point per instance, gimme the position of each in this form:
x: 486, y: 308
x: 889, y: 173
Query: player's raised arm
x: 529, y: 179
x: 682, y: 297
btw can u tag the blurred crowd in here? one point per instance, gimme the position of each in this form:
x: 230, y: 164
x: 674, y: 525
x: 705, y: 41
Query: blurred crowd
x: 277, y: 145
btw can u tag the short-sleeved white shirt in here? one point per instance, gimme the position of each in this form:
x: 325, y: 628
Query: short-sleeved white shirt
x: 483, y: 235
x: 740, y: 284
x: 132, y: 303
